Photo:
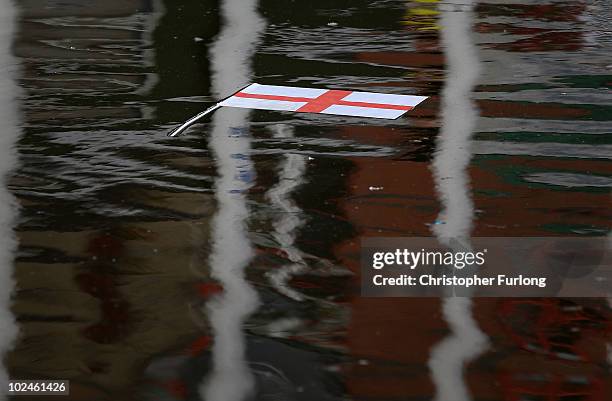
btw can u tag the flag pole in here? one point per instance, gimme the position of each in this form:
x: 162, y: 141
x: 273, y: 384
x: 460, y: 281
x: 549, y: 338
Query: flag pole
x: 181, y: 128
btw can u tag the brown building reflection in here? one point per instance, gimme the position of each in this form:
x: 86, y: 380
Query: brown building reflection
x: 95, y: 304
x: 120, y: 286
x: 562, y: 353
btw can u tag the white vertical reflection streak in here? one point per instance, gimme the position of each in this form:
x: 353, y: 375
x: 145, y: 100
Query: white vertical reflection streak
x: 452, y: 157
x: 290, y: 177
x: 230, y: 378
x: 9, y: 132
x: 151, y: 22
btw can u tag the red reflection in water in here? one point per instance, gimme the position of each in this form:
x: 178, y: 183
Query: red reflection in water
x: 101, y: 282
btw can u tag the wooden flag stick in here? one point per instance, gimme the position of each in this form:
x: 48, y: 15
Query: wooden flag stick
x: 181, y: 128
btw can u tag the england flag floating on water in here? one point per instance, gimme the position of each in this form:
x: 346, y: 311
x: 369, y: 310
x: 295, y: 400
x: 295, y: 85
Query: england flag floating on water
x: 310, y: 100
x: 324, y: 101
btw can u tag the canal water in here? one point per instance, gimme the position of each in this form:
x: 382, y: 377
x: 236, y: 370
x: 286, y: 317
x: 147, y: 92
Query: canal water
x: 223, y: 265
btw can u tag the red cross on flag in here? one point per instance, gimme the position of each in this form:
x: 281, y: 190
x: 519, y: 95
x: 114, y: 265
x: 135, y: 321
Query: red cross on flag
x: 310, y: 100
x: 324, y: 101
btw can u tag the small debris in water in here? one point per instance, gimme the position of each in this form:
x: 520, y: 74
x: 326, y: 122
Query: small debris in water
x: 376, y: 188
x: 333, y: 368
x: 363, y: 362
x: 198, y: 39
x: 332, y: 24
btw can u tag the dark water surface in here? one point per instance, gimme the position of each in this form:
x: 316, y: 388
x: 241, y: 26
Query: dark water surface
x: 223, y: 265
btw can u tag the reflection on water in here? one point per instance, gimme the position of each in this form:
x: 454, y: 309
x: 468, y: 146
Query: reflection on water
x: 291, y: 175
x: 230, y: 378
x: 115, y: 216
x: 451, y: 160
x: 9, y: 133
x: 609, y: 300
x: 453, y: 150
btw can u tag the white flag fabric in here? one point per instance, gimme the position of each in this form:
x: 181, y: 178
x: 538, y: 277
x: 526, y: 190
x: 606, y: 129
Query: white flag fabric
x: 324, y: 101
